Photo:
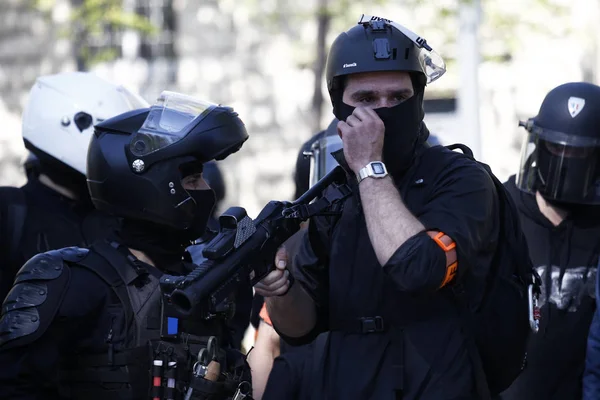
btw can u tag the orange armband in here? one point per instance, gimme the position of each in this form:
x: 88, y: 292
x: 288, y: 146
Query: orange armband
x: 449, y: 246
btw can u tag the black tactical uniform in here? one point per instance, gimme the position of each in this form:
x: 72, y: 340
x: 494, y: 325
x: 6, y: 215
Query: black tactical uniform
x: 94, y: 323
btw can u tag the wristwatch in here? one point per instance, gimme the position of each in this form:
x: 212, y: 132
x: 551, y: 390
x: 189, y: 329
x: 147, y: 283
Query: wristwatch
x: 375, y: 169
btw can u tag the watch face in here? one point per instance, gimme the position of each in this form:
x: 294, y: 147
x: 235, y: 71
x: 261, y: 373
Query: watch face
x: 378, y: 168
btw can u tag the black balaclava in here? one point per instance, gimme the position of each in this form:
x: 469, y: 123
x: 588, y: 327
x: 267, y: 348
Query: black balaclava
x: 165, y: 245
x: 403, y: 131
x: 582, y: 215
x: 571, y: 178
x: 68, y: 178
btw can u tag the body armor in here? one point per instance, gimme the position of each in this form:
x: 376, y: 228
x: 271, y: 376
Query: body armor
x: 147, y: 351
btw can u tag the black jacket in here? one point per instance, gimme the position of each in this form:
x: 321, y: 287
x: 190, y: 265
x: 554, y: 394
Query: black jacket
x: 566, y: 257
x: 422, y: 329
x: 51, y: 221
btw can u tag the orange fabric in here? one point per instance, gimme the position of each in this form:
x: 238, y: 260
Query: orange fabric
x: 442, y: 240
x: 449, y: 246
x: 264, y: 314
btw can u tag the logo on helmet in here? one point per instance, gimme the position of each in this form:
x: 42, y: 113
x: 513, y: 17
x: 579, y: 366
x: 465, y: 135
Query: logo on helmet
x: 349, y: 65
x: 374, y: 18
x: 575, y: 105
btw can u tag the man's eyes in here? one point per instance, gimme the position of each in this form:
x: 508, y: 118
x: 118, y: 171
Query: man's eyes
x: 366, y: 100
x: 371, y: 99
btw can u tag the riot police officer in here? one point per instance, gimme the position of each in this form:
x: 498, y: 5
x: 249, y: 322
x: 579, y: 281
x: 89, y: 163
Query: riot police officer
x: 53, y: 210
x: 557, y: 191
x: 92, y: 323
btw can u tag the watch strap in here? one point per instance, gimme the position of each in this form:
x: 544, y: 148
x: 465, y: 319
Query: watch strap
x: 368, y: 171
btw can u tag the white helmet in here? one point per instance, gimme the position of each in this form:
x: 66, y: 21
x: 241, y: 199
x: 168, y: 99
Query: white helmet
x: 62, y: 110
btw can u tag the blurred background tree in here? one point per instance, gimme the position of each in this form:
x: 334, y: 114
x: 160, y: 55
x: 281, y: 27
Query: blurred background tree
x: 94, y: 23
x: 504, y: 27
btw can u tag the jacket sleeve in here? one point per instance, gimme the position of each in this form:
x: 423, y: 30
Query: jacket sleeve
x: 59, y: 316
x: 591, y: 375
x: 464, y: 205
x: 310, y: 270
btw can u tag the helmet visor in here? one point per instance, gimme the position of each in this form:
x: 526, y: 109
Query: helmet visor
x: 432, y: 64
x: 322, y: 162
x: 170, y: 119
x: 561, y: 167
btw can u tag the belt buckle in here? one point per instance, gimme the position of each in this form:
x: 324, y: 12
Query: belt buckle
x: 372, y: 324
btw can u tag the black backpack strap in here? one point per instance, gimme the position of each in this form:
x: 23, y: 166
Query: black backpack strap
x: 109, y: 273
x: 462, y: 147
x: 508, y: 209
x: 512, y: 233
x: 16, y: 213
x: 460, y: 296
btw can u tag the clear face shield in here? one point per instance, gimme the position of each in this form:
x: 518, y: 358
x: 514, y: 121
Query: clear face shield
x: 321, y: 160
x: 432, y: 63
x: 564, y: 168
x: 170, y: 119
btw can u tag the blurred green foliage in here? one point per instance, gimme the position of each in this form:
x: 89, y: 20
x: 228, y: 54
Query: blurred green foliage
x: 93, y: 21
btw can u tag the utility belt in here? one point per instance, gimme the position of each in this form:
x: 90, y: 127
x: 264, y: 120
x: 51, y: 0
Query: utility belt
x: 361, y: 325
x: 368, y: 326
x: 195, y: 368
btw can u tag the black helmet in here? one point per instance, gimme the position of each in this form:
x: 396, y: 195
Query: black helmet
x: 378, y: 44
x: 136, y: 161
x: 560, y: 157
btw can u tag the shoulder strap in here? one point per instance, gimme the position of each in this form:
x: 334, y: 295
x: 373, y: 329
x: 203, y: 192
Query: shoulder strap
x: 510, y: 223
x: 511, y: 235
x: 108, y: 272
x: 462, y: 147
x: 460, y: 298
x: 16, y: 213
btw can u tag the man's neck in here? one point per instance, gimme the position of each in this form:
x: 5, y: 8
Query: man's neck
x: 553, y: 214
x: 46, y: 181
x: 140, y: 255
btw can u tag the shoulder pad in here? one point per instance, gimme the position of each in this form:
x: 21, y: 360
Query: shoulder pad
x: 49, y: 265
x: 72, y: 254
x: 32, y: 303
